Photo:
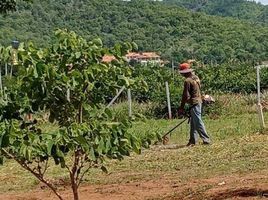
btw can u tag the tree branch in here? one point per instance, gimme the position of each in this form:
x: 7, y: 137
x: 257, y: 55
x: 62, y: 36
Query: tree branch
x: 82, y: 175
x: 39, y: 176
x: 80, y: 111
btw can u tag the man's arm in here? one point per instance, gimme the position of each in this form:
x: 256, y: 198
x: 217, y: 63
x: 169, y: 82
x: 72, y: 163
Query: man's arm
x: 185, y: 94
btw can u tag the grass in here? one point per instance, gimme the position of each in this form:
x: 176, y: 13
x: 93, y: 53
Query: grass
x: 238, y: 148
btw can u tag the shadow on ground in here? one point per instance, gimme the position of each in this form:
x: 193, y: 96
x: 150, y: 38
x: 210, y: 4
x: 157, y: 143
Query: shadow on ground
x: 167, y: 147
x: 246, y: 193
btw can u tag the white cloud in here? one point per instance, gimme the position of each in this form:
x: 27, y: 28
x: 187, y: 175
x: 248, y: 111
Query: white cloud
x: 265, y: 2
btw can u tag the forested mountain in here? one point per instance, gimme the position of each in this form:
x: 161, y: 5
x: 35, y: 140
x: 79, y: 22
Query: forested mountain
x: 241, y: 9
x: 173, y: 31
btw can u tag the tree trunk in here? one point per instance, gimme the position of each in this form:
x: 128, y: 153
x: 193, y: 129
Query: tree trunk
x: 74, y: 186
x: 75, y: 192
x: 74, y: 175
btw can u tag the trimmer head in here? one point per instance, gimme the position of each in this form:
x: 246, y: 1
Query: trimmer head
x: 165, y: 140
x: 166, y: 137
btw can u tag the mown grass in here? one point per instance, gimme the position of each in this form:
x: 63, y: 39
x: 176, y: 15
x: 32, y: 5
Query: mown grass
x: 237, y: 148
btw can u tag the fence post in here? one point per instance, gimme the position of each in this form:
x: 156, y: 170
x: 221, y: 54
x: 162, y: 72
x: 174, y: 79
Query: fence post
x: 173, y: 69
x: 6, y: 69
x: 261, y: 118
x: 11, y: 70
x: 129, y: 102
x: 117, y: 95
x: 68, y: 95
x: 1, y: 83
x: 168, y: 101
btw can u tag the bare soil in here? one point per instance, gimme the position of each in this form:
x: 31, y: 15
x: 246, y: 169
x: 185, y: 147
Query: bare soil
x: 167, y: 186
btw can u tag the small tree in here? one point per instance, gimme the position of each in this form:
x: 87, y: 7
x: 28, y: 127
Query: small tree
x: 8, y: 6
x: 67, y: 81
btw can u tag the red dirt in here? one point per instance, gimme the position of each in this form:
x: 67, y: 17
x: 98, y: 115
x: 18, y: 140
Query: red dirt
x: 251, y: 186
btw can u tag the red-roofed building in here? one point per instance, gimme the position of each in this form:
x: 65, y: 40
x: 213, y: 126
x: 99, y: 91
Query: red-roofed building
x: 107, y: 58
x: 143, y: 58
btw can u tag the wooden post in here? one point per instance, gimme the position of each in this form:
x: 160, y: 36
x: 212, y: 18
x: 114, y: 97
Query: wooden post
x: 68, y: 95
x: 117, y: 95
x: 168, y: 101
x: 173, y: 70
x: 11, y: 70
x: 1, y: 84
x: 6, y: 69
x: 259, y: 106
x: 129, y: 102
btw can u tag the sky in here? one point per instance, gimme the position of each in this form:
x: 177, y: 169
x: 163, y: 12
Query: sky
x: 265, y: 2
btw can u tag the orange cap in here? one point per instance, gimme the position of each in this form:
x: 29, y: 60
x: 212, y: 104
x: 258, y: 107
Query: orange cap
x: 185, y: 68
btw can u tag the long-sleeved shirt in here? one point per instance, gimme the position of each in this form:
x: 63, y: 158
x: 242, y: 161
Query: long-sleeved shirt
x: 191, y: 91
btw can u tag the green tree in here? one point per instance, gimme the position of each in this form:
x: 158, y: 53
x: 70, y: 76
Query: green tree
x: 68, y: 81
x: 8, y: 6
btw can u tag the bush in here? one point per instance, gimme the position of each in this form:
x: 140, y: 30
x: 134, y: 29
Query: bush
x: 224, y: 80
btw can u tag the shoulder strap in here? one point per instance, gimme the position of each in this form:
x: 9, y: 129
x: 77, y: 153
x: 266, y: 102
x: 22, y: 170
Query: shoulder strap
x: 197, y: 80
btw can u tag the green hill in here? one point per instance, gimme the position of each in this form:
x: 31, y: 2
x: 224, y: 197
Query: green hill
x: 240, y: 9
x: 173, y: 31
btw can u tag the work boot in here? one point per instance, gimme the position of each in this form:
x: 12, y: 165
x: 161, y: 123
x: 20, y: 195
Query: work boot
x: 190, y: 144
x: 206, y: 143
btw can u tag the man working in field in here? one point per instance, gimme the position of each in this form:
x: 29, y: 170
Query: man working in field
x: 192, y: 96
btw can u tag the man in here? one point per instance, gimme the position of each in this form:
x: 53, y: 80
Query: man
x: 192, y: 96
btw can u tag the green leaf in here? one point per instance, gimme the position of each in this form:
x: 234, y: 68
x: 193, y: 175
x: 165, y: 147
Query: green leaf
x: 109, y: 113
x: 108, y: 145
x: 134, y: 46
x: 23, y: 151
x: 116, y: 142
x: 124, y: 141
x: 29, y: 154
x: 136, y: 148
x: 97, y: 140
x: 97, y: 42
x: 83, y: 142
x: 62, y: 162
x: 124, y: 79
x: 40, y: 54
x: 49, y: 147
x: 101, y: 146
x: 59, y: 153
x: 4, y: 141
x: 92, y: 154
x: 78, y: 55
x: 117, y: 48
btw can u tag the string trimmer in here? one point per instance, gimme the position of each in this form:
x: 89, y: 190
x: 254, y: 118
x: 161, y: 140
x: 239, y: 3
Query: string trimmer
x: 165, y: 138
x: 206, y: 99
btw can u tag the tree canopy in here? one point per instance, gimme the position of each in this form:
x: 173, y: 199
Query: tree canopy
x: 8, y: 6
x: 240, y: 9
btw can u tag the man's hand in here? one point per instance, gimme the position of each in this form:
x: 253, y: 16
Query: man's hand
x: 181, y: 111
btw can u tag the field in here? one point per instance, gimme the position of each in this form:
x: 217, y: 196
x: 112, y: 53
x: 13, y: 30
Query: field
x: 235, y: 166
x: 67, y: 131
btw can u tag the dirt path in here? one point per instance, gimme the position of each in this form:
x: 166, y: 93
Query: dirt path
x: 251, y: 186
